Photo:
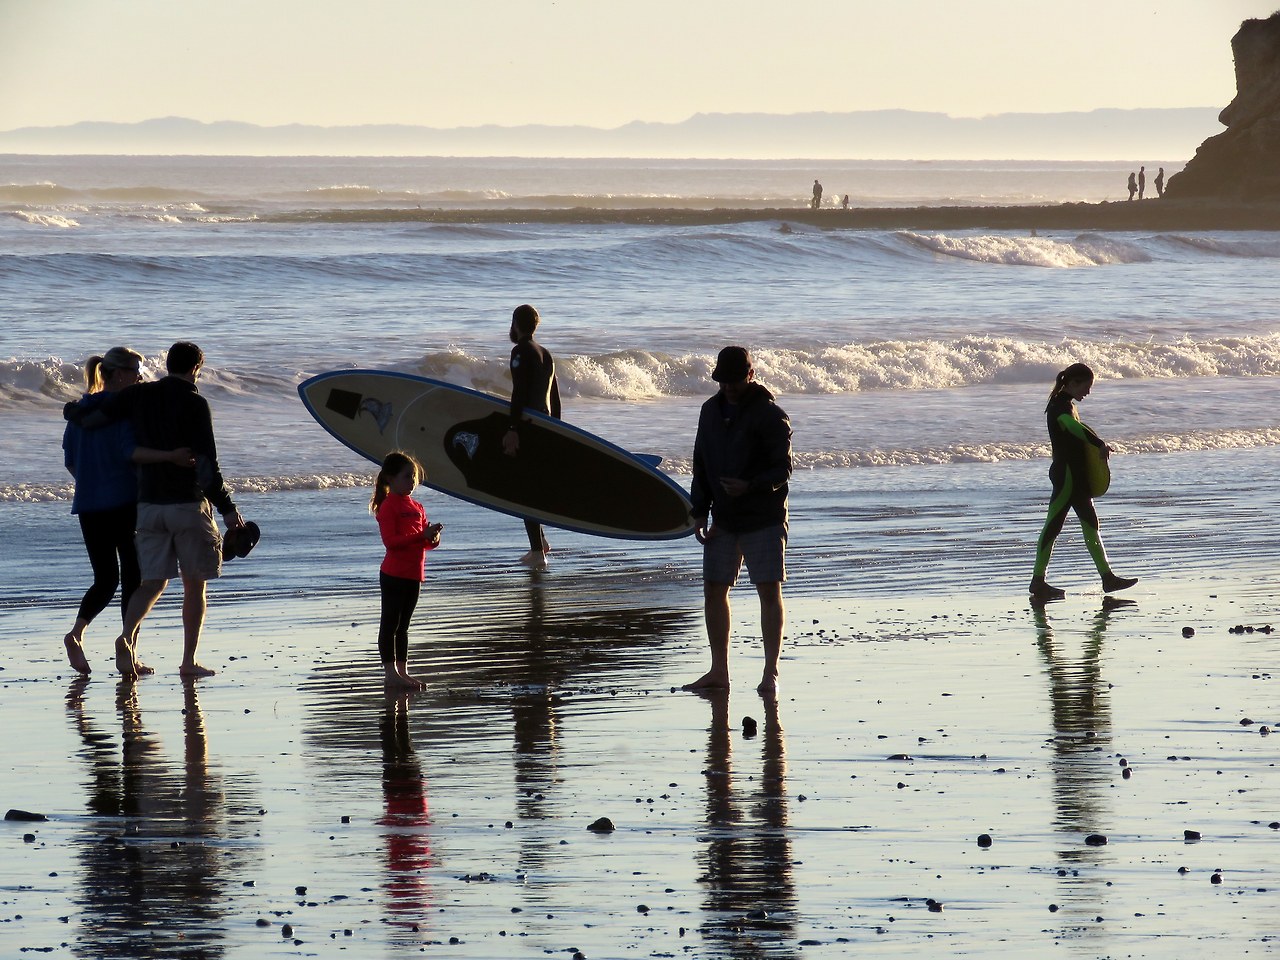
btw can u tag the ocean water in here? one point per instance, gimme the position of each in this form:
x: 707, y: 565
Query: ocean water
x: 914, y: 365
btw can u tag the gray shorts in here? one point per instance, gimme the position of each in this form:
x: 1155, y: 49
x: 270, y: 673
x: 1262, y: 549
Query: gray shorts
x: 175, y: 538
x: 764, y: 550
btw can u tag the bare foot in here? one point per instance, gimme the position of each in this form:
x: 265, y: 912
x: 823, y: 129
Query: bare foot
x: 75, y: 654
x: 395, y: 681
x: 413, y: 681
x: 195, y: 670
x: 124, y: 659
x: 534, y: 560
x: 768, y: 684
x: 711, y: 680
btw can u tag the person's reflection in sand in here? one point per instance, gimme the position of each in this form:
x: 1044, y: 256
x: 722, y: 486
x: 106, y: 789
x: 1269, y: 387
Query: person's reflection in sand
x: 1082, y: 765
x: 533, y: 714
x: 159, y: 886
x: 407, y: 822
x: 750, y: 905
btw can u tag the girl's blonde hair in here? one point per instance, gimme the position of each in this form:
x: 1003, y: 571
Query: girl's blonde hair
x: 392, y: 466
x: 97, y: 369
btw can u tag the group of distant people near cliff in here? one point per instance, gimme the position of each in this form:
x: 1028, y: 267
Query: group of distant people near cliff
x: 1138, y: 183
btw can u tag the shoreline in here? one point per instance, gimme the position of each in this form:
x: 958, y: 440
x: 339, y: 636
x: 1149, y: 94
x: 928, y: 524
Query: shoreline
x: 1120, y: 215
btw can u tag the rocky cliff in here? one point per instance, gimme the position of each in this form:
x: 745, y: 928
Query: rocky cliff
x: 1243, y: 162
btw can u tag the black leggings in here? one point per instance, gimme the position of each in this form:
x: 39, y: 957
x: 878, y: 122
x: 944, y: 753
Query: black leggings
x: 108, y: 536
x: 534, y: 532
x: 399, y: 598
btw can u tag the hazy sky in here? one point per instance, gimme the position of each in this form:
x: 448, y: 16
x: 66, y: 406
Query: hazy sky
x: 602, y: 62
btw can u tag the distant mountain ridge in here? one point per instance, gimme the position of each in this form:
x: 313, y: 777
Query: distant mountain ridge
x: 1103, y: 134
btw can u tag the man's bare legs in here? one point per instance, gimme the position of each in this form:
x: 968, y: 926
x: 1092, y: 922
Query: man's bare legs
x: 772, y: 616
x: 715, y: 598
x: 194, y: 605
x: 715, y: 608
x: 140, y: 604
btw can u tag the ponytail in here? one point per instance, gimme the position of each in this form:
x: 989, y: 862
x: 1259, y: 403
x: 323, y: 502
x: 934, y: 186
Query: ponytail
x: 392, y: 465
x: 1077, y: 371
x: 93, y: 375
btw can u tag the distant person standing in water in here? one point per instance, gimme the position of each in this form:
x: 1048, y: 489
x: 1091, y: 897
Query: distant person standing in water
x: 1071, y: 491
x: 1133, y: 184
x: 1142, y: 181
x: 817, y: 195
x: 844, y: 204
x: 1160, y: 183
x: 533, y: 387
x: 741, y: 468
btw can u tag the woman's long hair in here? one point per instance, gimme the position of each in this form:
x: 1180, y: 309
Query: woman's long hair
x: 1077, y: 371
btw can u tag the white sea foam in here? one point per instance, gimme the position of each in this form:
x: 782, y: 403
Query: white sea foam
x: 1087, y: 250
x: 42, y: 219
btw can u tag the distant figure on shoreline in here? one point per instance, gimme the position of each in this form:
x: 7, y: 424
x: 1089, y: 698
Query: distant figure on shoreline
x: 817, y: 195
x: 533, y: 387
x: 1069, y: 475
x: 1133, y: 184
x: 1142, y: 181
x: 741, y: 466
x: 844, y: 204
x: 1160, y: 183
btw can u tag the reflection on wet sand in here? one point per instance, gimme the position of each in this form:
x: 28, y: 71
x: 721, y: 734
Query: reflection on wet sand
x: 750, y: 898
x: 406, y: 821
x: 156, y: 884
x: 1082, y: 765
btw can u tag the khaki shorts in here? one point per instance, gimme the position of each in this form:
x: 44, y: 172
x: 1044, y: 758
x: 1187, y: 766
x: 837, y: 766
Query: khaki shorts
x: 764, y: 550
x: 178, y: 538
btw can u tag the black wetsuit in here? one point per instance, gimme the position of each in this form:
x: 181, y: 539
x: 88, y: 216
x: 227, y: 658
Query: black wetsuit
x: 533, y: 387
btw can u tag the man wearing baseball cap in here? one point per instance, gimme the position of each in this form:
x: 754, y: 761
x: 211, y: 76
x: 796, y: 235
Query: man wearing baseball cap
x: 741, y: 466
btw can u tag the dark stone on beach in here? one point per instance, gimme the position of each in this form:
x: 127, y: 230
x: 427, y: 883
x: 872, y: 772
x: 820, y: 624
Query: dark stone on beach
x: 1127, y: 772
x: 757, y: 915
x: 1188, y: 631
x: 933, y: 905
x: 286, y: 930
x: 300, y: 891
x: 26, y: 816
x: 749, y: 727
x: 262, y: 922
x: 984, y: 840
x: 641, y: 908
x: 1246, y: 722
x: 1264, y: 730
x: 1183, y: 870
x: 899, y: 756
x: 1053, y: 908
x: 1096, y: 840
x: 603, y: 825
x: 1216, y: 878
x: 346, y: 819
x: 1190, y: 834
x: 1274, y: 824
x: 28, y: 838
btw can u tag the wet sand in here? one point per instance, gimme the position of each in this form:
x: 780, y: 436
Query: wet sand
x: 200, y: 820
x: 1148, y: 214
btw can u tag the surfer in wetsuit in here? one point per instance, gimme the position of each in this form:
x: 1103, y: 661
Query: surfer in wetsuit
x: 533, y: 387
x: 1071, y: 491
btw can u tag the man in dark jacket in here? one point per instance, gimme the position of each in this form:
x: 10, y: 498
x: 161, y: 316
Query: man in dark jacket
x: 176, y: 531
x: 741, y: 465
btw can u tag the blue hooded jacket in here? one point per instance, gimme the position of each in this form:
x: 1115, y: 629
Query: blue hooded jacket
x: 100, y: 461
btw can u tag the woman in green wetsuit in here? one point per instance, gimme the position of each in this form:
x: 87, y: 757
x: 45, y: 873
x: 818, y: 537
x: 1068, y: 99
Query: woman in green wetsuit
x: 1068, y: 435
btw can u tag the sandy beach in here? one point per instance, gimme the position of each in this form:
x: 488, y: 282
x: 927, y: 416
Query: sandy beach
x: 288, y: 807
